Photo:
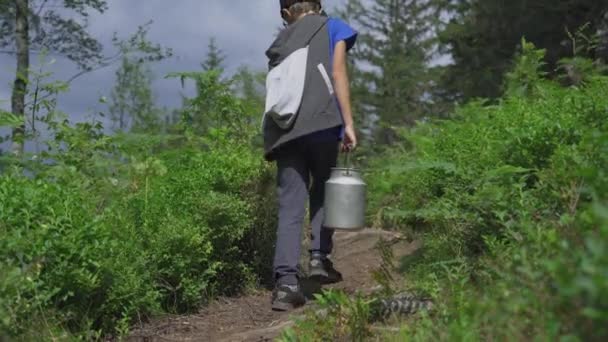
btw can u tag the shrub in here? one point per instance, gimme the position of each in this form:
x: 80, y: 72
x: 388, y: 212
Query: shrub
x: 509, y: 200
x: 103, y: 231
x: 60, y: 254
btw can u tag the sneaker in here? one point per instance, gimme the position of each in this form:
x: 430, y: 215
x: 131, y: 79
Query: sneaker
x: 287, y: 297
x: 323, y: 271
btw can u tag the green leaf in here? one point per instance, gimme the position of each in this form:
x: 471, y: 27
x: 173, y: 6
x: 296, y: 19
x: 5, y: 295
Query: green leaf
x: 10, y: 120
x: 422, y: 166
x: 506, y: 170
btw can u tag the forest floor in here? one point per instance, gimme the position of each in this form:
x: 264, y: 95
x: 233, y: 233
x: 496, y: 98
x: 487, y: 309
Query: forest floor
x: 249, y: 317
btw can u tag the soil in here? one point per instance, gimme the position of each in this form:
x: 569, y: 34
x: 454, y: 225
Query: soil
x: 249, y: 318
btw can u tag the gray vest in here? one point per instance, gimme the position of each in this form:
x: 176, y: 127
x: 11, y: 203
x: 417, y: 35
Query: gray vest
x: 319, y: 110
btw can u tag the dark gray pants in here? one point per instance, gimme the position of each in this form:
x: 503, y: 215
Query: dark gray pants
x: 297, y: 163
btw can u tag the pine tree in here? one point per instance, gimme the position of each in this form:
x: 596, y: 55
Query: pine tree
x: 132, y: 103
x: 482, y: 37
x: 249, y: 86
x: 391, y: 81
x: 215, y: 57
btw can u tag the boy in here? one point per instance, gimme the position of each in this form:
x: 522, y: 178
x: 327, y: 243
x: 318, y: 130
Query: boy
x: 309, y: 148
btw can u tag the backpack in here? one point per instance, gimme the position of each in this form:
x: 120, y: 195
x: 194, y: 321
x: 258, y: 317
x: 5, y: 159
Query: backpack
x: 285, y: 87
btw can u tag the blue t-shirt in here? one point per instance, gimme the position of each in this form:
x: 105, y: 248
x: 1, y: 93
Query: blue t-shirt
x: 338, y: 31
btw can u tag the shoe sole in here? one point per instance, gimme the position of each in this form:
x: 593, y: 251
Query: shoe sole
x: 322, y: 277
x: 282, y: 307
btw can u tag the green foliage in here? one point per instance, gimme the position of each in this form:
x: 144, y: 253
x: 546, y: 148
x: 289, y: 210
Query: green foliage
x: 215, y: 106
x: 337, y: 318
x: 55, y: 31
x: 482, y: 36
x: 215, y: 58
x: 391, y: 79
x: 196, y: 218
x: 9, y: 120
x: 138, y: 45
x: 64, y: 256
x: 527, y: 76
x: 99, y: 231
x: 509, y: 200
x: 132, y: 103
x: 250, y: 86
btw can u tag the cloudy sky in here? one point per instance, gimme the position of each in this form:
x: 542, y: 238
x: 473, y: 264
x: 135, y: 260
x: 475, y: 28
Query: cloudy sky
x: 243, y: 29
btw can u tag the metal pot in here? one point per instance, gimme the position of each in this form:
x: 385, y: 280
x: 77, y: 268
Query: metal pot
x: 345, y: 199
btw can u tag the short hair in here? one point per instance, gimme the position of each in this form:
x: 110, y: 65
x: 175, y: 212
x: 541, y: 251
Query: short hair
x: 297, y: 7
x: 305, y: 7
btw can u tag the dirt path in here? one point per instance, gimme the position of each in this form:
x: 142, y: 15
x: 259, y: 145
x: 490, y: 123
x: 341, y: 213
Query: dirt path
x: 249, y: 318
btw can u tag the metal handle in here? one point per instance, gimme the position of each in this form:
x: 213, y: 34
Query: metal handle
x: 347, y: 165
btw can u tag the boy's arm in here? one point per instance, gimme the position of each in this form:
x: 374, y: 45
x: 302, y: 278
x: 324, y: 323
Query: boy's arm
x: 342, y: 88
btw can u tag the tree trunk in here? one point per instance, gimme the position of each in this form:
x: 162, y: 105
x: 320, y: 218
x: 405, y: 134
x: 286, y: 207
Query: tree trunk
x: 21, y: 77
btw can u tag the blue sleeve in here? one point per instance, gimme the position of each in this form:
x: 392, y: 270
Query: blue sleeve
x: 339, y: 30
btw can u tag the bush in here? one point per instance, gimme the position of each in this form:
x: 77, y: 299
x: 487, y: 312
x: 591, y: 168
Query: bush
x: 103, y: 231
x: 195, y: 220
x: 510, y: 201
x: 60, y: 254
x: 175, y: 241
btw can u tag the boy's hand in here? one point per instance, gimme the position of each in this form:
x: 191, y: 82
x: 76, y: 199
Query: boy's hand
x: 350, y: 139
x: 342, y: 87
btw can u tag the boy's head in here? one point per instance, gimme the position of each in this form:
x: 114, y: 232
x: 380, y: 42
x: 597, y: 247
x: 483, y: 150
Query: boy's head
x: 292, y: 10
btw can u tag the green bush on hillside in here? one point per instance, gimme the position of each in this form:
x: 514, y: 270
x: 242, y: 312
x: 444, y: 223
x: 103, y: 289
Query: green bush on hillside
x: 510, y: 203
x: 509, y: 200
x: 104, y: 231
